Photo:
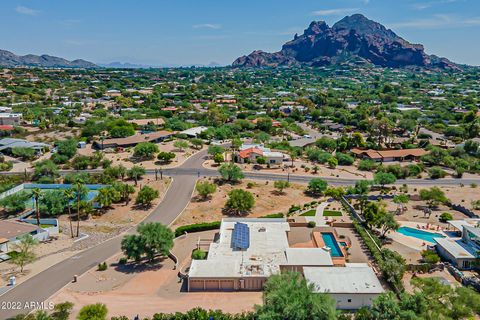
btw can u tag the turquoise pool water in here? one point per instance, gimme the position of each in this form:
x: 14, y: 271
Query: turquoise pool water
x: 330, y: 242
x: 419, y: 234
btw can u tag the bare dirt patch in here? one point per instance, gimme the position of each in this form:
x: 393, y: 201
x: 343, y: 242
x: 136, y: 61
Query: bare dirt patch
x: 267, y: 201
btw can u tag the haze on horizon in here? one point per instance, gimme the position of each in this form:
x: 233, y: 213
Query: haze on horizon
x: 186, y: 32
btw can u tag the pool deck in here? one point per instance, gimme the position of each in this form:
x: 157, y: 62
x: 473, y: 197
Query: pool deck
x: 414, y: 243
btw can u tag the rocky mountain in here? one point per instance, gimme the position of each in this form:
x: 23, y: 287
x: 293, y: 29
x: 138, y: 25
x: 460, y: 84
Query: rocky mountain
x: 9, y: 59
x: 355, y: 37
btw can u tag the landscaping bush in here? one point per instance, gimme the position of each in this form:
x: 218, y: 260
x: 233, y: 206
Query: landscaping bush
x: 102, y: 266
x: 197, y: 227
x: 367, y: 165
x: 199, y: 254
x: 344, y: 159
x: 273, y: 215
x: 444, y: 217
x: 436, y: 173
x: 311, y: 224
x: 122, y: 261
x: 293, y: 208
x: 430, y: 257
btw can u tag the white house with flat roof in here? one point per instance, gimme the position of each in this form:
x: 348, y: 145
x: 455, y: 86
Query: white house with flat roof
x: 464, y: 250
x: 354, y: 286
x: 194, y: 132
x: 247, y: 251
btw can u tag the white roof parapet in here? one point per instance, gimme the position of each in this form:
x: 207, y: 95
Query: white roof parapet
x: 353, y: 278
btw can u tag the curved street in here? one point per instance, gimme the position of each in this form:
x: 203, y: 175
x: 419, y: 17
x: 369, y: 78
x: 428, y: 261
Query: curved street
x: 40, y: 287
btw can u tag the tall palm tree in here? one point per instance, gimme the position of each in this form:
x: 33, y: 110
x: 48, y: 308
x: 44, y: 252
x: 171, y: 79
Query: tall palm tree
x: 69, y: 195
x: 36, y: 195
x: 78, y: 192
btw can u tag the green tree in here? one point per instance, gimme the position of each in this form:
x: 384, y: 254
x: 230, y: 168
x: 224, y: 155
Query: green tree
x: 25, y: 253
x: 261, y: 160
x: 153, y: 239
x: 281, y: 185
x: 386, y: 223
x: 181, y: 144
x: 67, y: 148
x: 436, y: 173
x: 384, y: 178
x: 214, y: 149
x: 433, y: 196
x: 16, y: 202
x: 393, y: 267
x: 96, y: 311
x: 166, y: 156
x: 239, y: 201
x: 218, y: 158
x: 317, y: 186
x: 146, y: 195
x: 197, y: 143
x: 61, y: 311
x: 335, y: 192
x: 45, y: 171
x: 231, y: 172
x: 205, y: 189
x: 289, y: 296
x: 135, y: 173
x: 107, y: 196
x: 372, y: 213
x: 145, y: 150
x: 332, y: 162
x: 53, y: 203
x: 25, y: 154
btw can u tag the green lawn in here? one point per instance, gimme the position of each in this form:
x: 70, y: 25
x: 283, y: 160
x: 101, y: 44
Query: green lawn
x: 309, y: 213
x: 330, y: 213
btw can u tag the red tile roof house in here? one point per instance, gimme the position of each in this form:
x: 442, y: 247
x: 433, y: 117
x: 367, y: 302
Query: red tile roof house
x: 390, y: 155
x: 251, y: 152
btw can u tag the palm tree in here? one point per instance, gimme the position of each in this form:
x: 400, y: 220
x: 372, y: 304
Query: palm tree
x: 36, y: 195
x: 69, y: 195
x: 78, y: 192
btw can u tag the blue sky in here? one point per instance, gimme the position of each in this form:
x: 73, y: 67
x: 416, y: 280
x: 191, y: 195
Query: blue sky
x: 183, y: 32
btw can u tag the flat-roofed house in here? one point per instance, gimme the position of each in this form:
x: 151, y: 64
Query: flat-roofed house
x: 13, y: 119
x: 464, y: 250
x: 389, y: 155
x: 132, y: 141
x: 12, y: 230
x: 7, y: 144
x: 352, y: 287
x: 247, y: 251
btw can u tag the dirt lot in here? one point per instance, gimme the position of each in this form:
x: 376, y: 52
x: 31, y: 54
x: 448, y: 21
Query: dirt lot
x: 266, y: 202
x: 458, y: 195
x: 125, y: 157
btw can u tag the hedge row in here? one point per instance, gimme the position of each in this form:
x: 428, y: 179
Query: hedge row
x: 197, y: 227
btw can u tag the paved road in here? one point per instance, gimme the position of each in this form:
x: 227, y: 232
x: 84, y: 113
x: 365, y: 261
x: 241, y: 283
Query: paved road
x: 42, y: 286
x: 45, y: 284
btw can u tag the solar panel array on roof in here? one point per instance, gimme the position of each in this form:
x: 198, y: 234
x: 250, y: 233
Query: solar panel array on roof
x: 241, y: 236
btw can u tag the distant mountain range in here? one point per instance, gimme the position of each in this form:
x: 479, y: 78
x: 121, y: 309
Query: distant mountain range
x: 9, y: 59
x: 128, y: 65
x: 354, y: 37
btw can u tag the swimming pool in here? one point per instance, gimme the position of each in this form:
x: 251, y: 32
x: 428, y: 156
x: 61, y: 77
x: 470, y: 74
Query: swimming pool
x: 420, y: 234
x: 329, y: 240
